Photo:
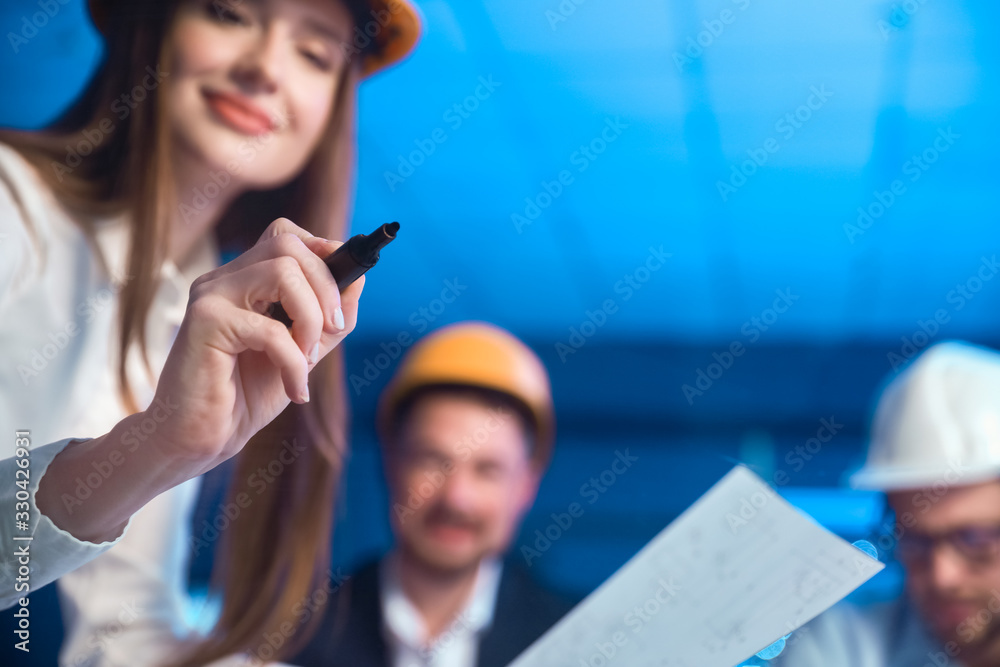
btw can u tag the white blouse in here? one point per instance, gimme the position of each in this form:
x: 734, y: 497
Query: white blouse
x: 122, y: 600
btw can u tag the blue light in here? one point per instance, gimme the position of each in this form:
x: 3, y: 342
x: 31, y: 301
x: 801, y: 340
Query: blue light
x: 774, y: 650
x: 867, y: 547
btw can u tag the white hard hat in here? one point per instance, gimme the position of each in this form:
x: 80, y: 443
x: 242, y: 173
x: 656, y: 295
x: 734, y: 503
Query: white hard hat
x: 937, y: 423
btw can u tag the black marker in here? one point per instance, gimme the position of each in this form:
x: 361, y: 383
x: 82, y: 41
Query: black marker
x: 349, y: 262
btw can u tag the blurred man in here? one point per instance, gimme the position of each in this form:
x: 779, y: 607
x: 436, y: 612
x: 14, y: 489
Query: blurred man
x: 935, y: 451
x: 466, y: 426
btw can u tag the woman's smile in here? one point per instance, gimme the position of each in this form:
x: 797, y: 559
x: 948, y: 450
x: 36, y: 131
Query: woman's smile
x: 239, y: 113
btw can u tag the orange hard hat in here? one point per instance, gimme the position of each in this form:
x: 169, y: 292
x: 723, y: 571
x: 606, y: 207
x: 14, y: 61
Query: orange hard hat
x: 394, y: 25
x: 475, y: 354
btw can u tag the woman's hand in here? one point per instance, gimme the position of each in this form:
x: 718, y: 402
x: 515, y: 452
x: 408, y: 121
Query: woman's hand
x: 232, y: 369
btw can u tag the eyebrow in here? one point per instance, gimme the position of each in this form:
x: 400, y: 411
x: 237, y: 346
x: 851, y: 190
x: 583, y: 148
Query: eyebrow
x: 324, y: 30
x: 315, y: 25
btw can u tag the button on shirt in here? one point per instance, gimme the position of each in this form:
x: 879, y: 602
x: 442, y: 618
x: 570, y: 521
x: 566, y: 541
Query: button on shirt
x: 406, y: 635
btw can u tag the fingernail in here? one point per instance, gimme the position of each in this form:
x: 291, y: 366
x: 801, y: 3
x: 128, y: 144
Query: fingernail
x: 305, y: 394
x: 314, y: 354
x: 338, y: 317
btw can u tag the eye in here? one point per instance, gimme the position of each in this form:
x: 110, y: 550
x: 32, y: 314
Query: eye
x: 426, y: 460
x: 978, y: 539
x: 320, y: 61
x: 223, y: 12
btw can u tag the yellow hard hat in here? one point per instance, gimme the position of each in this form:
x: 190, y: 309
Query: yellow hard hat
x: 475, y: 354
x: 394, y: 26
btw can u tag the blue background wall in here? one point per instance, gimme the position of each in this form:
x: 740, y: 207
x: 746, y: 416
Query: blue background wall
x: 699, y: 91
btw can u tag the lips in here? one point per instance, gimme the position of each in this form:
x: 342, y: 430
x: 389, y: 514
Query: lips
x: 449, y: 529
x: 238, y: 113
x: 451, y: 534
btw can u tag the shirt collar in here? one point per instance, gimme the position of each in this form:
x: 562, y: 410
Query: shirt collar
x: 402, y: 621
x: 112, y: 238
x: 169, y: 303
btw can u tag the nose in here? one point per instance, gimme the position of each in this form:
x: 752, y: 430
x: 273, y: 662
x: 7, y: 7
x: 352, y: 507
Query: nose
x: 263, y: 62
x: 459, y: 491
x: 947, y: 568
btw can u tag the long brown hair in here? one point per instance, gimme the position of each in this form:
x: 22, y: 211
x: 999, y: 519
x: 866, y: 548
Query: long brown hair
x: 277, y: 553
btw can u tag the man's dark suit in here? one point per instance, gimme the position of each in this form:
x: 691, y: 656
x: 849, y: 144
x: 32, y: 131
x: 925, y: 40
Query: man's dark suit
x: 351, y: 631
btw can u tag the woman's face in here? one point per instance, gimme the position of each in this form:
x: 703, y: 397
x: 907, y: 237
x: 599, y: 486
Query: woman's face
x: 252, y: 83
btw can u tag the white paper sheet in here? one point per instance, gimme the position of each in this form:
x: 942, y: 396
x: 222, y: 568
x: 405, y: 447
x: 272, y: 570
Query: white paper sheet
x: 738, y: 570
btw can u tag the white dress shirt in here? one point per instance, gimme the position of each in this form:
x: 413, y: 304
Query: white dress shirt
x: 122, y: 600
x: 881, y: 635
x: 406, y: 634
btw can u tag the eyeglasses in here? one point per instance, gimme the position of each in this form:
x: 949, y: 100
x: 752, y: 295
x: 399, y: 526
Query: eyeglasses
x: 977, y: 545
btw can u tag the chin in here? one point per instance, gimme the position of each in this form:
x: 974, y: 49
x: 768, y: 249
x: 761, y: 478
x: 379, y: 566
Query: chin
x: 448, y: 560
x: 964, y: 632
x: 213, y: 149
x: 260, y: 163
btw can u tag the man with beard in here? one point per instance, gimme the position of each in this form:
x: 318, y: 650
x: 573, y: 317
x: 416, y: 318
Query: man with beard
x: 466, y: 426
x: 935, y: 451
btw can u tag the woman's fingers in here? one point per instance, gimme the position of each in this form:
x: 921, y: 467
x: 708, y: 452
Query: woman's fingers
x: 306, y: 250
x: 350, y: 298
x: 246, y: 330
x: 259, y: 250
x: 278, y: 280
x: 323, y: 248
x: 284, y: 226
x: 285, y: 266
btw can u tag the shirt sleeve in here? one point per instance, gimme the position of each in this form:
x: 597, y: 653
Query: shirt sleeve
x: 36, y: 551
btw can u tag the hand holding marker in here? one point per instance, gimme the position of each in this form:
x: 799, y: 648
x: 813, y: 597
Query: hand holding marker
x: 349, y: 262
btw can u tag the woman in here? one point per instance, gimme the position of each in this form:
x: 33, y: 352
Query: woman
x: 208, y: 120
